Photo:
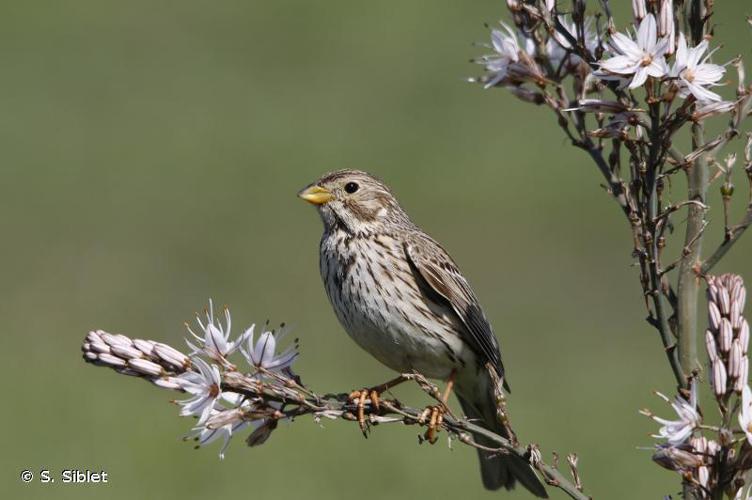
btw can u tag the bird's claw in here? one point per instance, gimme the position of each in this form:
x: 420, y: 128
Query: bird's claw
x: 361, y: 398
x: 433, y: 417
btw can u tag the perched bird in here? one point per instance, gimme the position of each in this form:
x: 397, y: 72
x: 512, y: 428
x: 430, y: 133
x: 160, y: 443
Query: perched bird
x: 401, y: 297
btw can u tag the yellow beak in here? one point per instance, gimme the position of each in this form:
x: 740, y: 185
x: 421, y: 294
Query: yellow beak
x: 316, y: 195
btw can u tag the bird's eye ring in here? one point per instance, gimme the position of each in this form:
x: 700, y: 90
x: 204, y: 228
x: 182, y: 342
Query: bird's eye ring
x: 351, y: 187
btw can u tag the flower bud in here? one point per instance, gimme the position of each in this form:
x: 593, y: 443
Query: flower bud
x: 145, y: 346
x: 171, y: 355
x: 741, y: 381
x: 111, y: 360
x: 735, y: 317
x: 126, y: 352
x: 168, y: 383
x: 711, y: 347
x: 724, y: 301
x: 712, y: 289
x: 725, y: 336
x: 145, y: 366
x: 639, y: 9
x: 735, y: 359
x: 703, y: 475
x: 714, y: 316
x: 719, y: 378
x: 666, y: 23
x: 744, y: 335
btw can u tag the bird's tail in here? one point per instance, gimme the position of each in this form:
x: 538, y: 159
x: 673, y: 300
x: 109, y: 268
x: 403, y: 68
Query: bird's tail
x: 497, y: 470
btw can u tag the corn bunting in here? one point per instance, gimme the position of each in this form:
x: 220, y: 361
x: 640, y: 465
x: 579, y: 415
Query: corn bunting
x: 401, y: 297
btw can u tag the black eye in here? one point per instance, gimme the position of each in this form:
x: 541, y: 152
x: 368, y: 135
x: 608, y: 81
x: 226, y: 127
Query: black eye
x: 351, y: 187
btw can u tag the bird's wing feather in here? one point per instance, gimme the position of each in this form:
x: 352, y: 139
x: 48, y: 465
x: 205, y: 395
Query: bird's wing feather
x: 441, y: 274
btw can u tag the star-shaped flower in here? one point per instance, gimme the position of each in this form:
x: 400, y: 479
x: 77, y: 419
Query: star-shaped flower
x: 215, y: 341
x: 676, y: 432
x: 507, y: 50
x: 642, y: 57
x: 263, y: 352
x: 693, y: 73
x: 204, y: 387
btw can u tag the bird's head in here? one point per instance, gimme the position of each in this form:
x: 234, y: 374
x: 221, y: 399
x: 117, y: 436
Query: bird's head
x: 355, y: 202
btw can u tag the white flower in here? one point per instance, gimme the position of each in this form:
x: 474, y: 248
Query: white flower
x: 215, y: 342
x: 507, y: 52
x: 642, y: 57
x: 676, y: 432
x: 693, y: 73
x: 558, y: 45
x: 204, y: 387
x: 262, y: 353
x: 745, y: 414
x: 205, y: 434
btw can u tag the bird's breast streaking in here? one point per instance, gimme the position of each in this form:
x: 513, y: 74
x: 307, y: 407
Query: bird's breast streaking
x: 376, y: 297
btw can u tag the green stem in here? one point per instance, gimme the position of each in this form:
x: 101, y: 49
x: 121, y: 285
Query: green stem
x: 688, y: 285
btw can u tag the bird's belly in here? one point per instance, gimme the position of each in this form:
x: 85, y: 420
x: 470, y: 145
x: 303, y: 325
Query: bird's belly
x: 383, y: 310
x: 403, y: 348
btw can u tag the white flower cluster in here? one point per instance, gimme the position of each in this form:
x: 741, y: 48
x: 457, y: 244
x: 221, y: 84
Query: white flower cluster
x: 654, y: 52
x: 222, y: 414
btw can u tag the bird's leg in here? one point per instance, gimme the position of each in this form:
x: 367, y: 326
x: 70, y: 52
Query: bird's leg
x: 373, y: 394
x: 437, y: 411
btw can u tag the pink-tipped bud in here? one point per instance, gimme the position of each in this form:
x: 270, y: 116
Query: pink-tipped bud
x: 719, y: 378
x: 725, y: 336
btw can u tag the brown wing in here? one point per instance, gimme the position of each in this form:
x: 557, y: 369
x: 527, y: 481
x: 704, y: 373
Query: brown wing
x: 440, y: 274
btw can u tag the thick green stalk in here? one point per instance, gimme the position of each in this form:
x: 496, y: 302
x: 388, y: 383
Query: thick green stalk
x: 688, y: 285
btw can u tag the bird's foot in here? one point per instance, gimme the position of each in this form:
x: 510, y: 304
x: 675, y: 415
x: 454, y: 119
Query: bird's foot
x: 361, y: 398
x: 372, y: 396
x: 433, y: 417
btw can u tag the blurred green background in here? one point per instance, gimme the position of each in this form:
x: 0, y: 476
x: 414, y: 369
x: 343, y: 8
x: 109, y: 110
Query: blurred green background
x: 151, y: 156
